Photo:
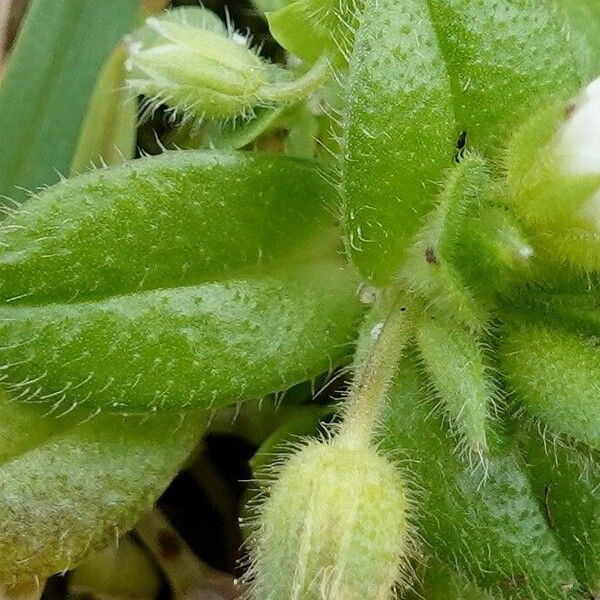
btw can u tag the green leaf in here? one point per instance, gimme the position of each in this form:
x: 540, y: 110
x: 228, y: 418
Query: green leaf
x: 304, y: 421
x: 400, y: 133
x: 191, y: 279
x: 454, y: 360
x: 556, y: 374
x: 488, y: 524
x: 238, y: 136
x: 302, y: 139
x: 505, y: 59
x: 566, y: 479
x: 313, y: 28
x: 46, y: 90
x: 179, y: 218
x: 584, y: 18
x: 83, y: 485
x: 266, y: 6
x: 109, y: 129
x: 442, y: 583
x: 196, y: 346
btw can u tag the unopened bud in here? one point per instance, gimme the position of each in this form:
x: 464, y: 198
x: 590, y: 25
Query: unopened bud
x: 195, y: 67
x: 334, y: 528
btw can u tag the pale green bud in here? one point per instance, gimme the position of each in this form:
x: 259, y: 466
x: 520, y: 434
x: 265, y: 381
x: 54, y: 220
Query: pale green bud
x: 195, y: 67
x: 334, y: 528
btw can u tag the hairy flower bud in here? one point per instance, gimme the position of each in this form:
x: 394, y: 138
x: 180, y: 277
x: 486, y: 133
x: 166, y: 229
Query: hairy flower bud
x: 194, y: 66
x: 334, y: 528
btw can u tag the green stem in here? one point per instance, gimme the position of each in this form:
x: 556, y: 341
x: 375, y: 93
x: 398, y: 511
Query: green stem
x: 378, y: 353
x: 289, y: 92
x: 242, y: 136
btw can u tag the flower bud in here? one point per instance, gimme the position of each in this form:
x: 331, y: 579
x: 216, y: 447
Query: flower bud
x: 334, y: 528
x: 194, y: 66
x: 553, y: 168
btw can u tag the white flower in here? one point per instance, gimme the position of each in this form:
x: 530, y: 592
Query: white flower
x: 579, y: 137
x: 590, y: 211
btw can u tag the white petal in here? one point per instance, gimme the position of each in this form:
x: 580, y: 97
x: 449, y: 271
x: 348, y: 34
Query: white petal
x: 579, y: 137
x: 590, y: 211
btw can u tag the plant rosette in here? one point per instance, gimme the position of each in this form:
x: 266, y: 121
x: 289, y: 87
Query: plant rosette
x: 463, y: 181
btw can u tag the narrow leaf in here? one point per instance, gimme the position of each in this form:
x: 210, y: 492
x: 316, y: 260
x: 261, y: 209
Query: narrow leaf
x: 108, y: 132
x: 46, y: 90
x: 454, y: 360
x: 394, y: 155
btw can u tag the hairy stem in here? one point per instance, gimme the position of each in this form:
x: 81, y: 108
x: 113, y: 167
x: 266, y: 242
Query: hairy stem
x: 298, y: 89
x: 378, y: 354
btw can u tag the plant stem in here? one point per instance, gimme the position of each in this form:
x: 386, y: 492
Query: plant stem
x: 298, y: 89
x: 379, y: 351
x: 242, y: 136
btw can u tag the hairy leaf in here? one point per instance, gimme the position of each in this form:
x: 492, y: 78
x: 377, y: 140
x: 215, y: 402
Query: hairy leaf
x: 488, y: 524
x: 313, y: 28
x: 399, y: 133
x: 196, y: 346
x: 505, y: 58
x: 566, y: 480
x: 556, y: 374
x: 142, y: 286
x: 454, y: 360
x: 83, y: 484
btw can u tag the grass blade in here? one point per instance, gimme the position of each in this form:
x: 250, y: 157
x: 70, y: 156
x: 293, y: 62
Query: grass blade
x: 45, y: 93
